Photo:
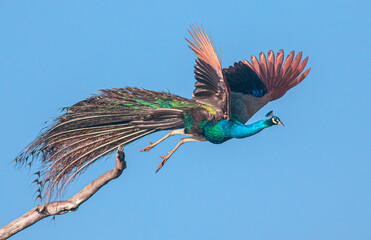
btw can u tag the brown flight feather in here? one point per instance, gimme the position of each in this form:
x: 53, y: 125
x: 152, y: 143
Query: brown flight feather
x: 279, y: 76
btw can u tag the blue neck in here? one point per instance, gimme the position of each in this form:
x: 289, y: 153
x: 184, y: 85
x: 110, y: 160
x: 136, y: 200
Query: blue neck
x: 239, y: 130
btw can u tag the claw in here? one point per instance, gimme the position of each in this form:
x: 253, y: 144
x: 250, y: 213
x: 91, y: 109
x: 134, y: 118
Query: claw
x: 159, y: 167
x: 162, y: 163
x: 149, y: 147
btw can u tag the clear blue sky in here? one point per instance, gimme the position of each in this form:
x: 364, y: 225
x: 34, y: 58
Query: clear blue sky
x: 309, y: 180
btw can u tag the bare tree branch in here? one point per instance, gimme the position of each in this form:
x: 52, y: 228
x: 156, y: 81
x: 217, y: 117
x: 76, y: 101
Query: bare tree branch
x: 61, y: 207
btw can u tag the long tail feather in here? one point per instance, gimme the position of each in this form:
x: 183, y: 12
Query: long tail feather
x: 94, y: 128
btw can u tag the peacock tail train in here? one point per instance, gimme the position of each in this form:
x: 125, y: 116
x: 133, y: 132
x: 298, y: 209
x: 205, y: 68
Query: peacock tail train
x: 94, y: 128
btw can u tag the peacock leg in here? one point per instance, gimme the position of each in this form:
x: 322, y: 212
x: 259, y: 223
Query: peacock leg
x: 183, y: 140
x: 171, y: 133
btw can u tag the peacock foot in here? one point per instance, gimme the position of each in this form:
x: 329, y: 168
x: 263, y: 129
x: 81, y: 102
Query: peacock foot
x: 149, y: 147
x: 163, y: 161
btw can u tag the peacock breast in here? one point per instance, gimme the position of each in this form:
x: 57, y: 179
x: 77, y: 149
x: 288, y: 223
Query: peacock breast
x: 216, y: 132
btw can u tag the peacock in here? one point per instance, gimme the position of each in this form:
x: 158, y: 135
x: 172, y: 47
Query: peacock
x: 223, y: 100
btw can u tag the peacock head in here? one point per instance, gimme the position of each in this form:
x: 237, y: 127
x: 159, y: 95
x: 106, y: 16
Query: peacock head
x: 273, y: 120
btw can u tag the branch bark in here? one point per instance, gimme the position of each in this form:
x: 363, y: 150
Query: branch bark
x: 62, y: 207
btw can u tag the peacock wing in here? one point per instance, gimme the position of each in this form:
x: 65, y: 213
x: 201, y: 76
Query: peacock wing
x: 253, y: 85
x: 211, y: 86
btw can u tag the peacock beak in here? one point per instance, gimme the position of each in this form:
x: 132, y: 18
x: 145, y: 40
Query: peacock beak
x: 280, y: 123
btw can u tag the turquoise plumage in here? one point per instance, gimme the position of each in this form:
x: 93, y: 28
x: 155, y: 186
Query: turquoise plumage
x: 224, y: 130
x: 222, y: 102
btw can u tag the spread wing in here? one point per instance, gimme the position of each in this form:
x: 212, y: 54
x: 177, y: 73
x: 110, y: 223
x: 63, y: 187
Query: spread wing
x: 211, y: 86
x: 253, y: 85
